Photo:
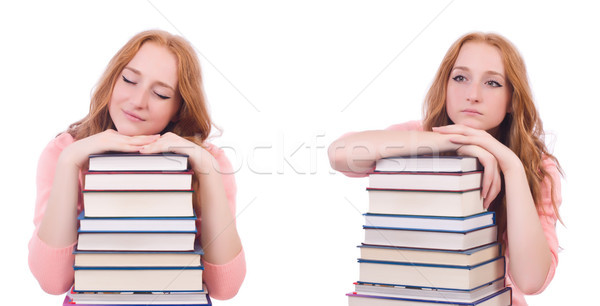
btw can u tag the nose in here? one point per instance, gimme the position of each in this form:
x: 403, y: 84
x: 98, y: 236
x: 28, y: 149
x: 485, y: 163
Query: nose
x: 140, y: 98
x: 474, y: 93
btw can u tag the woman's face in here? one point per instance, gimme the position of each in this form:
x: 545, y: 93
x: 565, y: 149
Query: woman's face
x: 478, y: 93
x: 145, y: 97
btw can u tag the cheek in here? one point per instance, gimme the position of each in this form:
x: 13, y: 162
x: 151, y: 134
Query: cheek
x: 452, y: 98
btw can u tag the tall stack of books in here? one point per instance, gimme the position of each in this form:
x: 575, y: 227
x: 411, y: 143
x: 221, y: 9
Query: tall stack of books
x: 428, y: 240
x: 136, y: 243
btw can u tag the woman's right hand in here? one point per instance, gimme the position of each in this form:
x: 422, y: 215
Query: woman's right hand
x: 491, y: 183
x: 109, y: 140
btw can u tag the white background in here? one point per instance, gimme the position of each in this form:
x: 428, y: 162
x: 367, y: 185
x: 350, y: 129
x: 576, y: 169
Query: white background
x: 292, y: 77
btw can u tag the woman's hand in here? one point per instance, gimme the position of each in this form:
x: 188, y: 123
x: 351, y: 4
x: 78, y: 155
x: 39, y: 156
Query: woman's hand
x: 491, y: 183
x: 200, y: 159
x: 109, y: 140
x: 492, y: 154
x: 464, y: 135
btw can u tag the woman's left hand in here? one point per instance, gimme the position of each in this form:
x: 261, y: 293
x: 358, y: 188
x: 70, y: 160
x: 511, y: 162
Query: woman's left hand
x: 465, y: 135
x: 200, y: 159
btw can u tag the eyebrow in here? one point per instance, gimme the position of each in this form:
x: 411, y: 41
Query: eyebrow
x: 158, y: 82
x: 488, y: 72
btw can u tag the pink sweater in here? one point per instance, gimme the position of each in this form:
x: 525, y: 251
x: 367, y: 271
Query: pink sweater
x: 53, y: 267
x: 545, y: 212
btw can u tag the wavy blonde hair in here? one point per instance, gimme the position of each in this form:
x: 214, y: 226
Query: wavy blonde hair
x: 193, y: 123
x: 521, y: 130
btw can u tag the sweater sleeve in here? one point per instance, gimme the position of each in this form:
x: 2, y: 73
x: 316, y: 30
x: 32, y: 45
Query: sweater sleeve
x: 52, y: 267
x: 406, y: 126
x: 224, y: 281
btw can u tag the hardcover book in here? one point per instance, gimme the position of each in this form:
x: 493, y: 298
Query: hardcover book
x: 462, y: 181
x: 431, y: 276
x: 138, y: 162
x: 139, y: 258
x: 130, y: 203
x: 412, y: 292
x: 138, y: 279
x: 468, y: 223
x: 428, y: 239
x: 136, y: 224
x: 431, y: 256
x: 428, y: 163
x: 501, y: 298
x: 166, y: 180
x: 138, y: 241
x: 425, y: 203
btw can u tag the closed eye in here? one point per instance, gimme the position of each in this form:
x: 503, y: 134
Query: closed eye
x: 128, y: 81
x: 162, y: 97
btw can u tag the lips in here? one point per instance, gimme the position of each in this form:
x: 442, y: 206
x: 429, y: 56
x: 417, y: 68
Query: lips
x: 470, y: 111
x: 132, y: 116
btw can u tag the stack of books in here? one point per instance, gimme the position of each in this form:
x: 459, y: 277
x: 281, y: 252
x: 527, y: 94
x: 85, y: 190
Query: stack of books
x: 136, y: 243
x: 428, y: 240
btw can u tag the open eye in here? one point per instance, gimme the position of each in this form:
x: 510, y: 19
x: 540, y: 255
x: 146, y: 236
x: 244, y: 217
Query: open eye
x: 493, y: 84
x: 459, y: 78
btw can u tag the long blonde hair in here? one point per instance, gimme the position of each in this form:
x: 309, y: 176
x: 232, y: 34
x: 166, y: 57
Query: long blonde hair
x: 521, y: 130
x: 193, y: 123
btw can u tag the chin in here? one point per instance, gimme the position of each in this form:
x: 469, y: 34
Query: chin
x: 127, y: 131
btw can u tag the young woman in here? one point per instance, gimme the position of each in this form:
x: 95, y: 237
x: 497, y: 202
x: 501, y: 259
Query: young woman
x: 150, y: 99
x: 480, y: 104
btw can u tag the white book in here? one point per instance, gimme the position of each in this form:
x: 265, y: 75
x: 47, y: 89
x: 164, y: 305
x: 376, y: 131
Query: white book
x: 138, y: 162
x: 443, y: 240
x: 426, y: 203
x: 424, y: 293
x: 446, y: 277
x: 426, y: 181
x: 123, y: 241
x: 150, y: 203
x: 427, y: 163
x: 502, y: 297
x: 141, y: 298
x: 430, y: 222
x: 138, y: 279
x: 138, y: 180
x: 137, y: 224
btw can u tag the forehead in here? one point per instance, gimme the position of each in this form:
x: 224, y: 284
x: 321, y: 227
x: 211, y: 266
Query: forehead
x: 156, y: 63
x: 480, y: 56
